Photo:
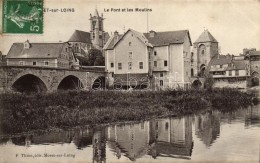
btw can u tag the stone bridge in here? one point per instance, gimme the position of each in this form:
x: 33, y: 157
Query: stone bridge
x: 44, y: 79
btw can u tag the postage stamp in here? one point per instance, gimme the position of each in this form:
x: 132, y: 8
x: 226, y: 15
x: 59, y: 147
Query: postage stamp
x: 22, y: 16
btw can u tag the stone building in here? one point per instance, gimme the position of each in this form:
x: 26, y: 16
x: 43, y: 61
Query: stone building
x: 82, y: 41
x: 157, y: 60
x: 58, y: 55
x: 204, y: 49
x: 254, y: 59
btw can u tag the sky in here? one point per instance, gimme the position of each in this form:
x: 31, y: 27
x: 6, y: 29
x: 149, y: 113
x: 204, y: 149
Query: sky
x: 234, y: 23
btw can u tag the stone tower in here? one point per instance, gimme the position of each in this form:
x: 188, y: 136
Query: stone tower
x: 97, y: 30
x: 204, y: 49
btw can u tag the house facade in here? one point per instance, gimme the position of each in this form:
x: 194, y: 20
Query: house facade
x: 229, y: 71
x: 157, y: 60
x: 56, y: 55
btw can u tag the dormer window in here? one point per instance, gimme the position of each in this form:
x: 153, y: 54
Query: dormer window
x: 26, y: 44
x: 152, y: 33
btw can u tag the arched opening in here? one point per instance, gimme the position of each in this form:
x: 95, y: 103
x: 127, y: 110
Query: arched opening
x: 70, y: 82
x: 192, y: 72
x: 29, y: 83
x: 99, y: 83
x: 196, y: 84
x: 202, y: 70
x: 255, y: 81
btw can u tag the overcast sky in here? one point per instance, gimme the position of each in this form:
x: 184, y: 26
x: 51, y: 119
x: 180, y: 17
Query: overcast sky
x: 235, y: 24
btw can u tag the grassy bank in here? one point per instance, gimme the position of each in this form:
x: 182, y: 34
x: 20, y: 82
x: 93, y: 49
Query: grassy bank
x: 21, y: 112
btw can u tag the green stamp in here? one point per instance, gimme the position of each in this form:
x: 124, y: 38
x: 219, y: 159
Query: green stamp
x: 22, y: 16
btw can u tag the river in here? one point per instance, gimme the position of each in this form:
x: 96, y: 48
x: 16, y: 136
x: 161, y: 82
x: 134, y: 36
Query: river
x: 210, y: 136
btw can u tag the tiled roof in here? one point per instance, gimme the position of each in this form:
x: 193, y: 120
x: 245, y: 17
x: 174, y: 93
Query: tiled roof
x: 238, y: 65
x: 36, y: 50
x: 169, y: 37
x: 254, y: 53
x: 111, y: 42
x: 206, y: 36
x: 227, y: 59
x: 80, y: 36
x: 220, y: 60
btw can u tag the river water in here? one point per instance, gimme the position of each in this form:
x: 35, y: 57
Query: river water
x: 211, y: 136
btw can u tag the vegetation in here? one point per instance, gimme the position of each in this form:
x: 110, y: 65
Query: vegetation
x: 20, y: 113
x: 93, y: 58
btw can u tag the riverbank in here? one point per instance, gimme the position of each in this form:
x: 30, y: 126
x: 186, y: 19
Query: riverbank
x: 21, y: 113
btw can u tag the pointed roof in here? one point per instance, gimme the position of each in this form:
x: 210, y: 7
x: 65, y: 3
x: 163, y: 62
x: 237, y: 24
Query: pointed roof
x: 206, y: 36
x: 111, y: 44
x: 80, y: 36
x: 96, y: 13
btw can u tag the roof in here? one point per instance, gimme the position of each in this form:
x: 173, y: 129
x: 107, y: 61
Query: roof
x: 36, y: 50
x: 168, y: 37
x: 254, y: 53
x: 80, y: 36
x: 227, y: 59
x: 220, y: 60
x: 238, y: 65
x: 111, y: 42
x: 206, y: 36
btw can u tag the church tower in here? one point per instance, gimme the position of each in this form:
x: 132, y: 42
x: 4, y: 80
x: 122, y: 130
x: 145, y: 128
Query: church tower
x: 204, y: 49
x: 97, y: 30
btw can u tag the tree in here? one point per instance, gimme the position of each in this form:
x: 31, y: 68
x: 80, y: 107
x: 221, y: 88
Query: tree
x: 95, y: 58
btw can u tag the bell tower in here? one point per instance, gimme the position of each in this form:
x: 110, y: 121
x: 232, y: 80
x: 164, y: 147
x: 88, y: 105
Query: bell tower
x: 97, y: 30
x: 204, y: 49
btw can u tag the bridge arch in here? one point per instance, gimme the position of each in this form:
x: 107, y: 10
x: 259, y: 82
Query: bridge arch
x: 99, y: 83
x: 70, y: 82
x: 29, y: 83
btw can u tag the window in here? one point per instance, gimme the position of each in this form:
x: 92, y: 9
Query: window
x: 34, y: 63
x: 237, y: 72
x: 202, y: 52
x: 166, y: 126
x: 46, y: 63
x: 220, y: 66
x: 161, y: 82
x: 155, y: 63
x: 165, y: 63
x: 229, y: 73
x: 119, y: 66
x: 130, y: 55
x: 111, y: 64
x: 161, y: 74
x: 155, y: 53
x: 141, y: 65
x: 66, y: 49
x: 192, y: 72
x: 129, y: 65
x: 21, y: 62
x: 129, y: 43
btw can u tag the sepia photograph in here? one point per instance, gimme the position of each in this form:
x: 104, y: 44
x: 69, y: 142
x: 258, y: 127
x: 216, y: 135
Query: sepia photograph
x: 114, y: 81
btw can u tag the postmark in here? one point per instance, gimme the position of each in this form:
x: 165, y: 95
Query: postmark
x: 22, y: 16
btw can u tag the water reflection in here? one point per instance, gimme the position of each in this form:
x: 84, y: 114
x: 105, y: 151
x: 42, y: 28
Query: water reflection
x: 170, y: 138
x: 207, y: 127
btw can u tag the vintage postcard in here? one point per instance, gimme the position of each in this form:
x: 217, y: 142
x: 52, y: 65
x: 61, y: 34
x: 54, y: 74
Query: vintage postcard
x: 112, y: 81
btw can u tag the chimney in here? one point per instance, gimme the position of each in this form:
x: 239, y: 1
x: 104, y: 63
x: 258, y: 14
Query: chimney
x: 116, y: 37
x: 152, y: 33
